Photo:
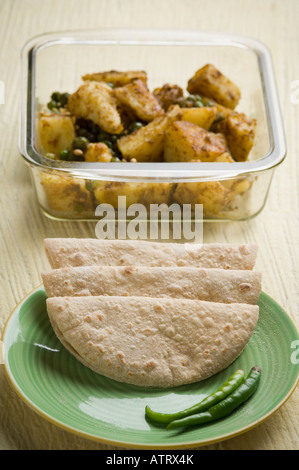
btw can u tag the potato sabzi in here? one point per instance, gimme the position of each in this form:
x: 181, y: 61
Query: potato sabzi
x: 113, y: 116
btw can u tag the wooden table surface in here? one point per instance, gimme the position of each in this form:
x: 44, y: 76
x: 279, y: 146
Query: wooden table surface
x: 23, y: 227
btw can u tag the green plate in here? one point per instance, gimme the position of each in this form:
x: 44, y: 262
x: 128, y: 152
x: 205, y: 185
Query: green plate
x: 66, y: 393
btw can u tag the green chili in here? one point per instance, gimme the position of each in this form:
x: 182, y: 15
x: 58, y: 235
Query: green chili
x: 226, y: 406
x: 226, y: 389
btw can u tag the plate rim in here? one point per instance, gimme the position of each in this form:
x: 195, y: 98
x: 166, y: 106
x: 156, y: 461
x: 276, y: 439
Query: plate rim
x: 127, y: 444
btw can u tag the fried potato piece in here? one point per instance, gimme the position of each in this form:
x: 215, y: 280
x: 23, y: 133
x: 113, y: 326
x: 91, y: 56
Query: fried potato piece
x: 141, y: 193
x: 56, y: 132
x: 224, y: 158
x: 95, y: 101
x: 239, y: 131
x: 147, y: 143
x: 222, y: 111
x: 236, y: 185
x: 185, y: 142
x: 218, y: 125
x: 136, y: 96
x: 98, y: 152
x: 116, y: 77
x: 127, y: 115
x: 66, y: 194
x: 214, y: 195
x: 240, y: 134
x: 168, y: 95
x: 210, y: 82
x: 211, y: 194
x: 202, y: 117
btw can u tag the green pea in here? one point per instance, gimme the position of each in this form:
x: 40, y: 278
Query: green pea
x: 102, y: 136
x: 64, y: 97
x: 64, y: 154
x: 86, y: 133
x: 56, y: 96
x: 207, y: 102
x: 94, y: 128
x: 90, y: 137
x: 91, y: 185
x: 108, y: 143
x: 219, y: 117
x: 190, y: 98
x: 198, y: 104
x: 82, y: 132
x: 134, y: 126
x: 114, y: 138
x: 80, y: 143
x: 53, y: 105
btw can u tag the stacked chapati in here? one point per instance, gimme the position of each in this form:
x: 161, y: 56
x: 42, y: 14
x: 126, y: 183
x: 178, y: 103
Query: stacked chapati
x: 152, y: 314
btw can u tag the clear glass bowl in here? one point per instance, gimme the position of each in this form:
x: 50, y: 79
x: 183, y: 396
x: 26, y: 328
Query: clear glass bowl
x: 73, y: 190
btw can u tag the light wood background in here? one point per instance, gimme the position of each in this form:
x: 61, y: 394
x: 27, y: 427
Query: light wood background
x: 23, y: 227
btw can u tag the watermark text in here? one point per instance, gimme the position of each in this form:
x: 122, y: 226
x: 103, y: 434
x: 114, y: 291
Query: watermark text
x: 295, y: 92
x: 159, y: 221
x: 295, y: 353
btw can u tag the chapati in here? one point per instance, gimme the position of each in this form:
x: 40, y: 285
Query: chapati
x: 152, y: 342
x: 215, y: 285
x: 64, y: 252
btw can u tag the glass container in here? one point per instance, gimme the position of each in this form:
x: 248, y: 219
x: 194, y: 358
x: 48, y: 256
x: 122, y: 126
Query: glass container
x: 227, y: 191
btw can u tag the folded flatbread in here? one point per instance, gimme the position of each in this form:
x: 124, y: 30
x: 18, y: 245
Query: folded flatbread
x: 152, y: 342
x: 64, y: 252
x: 215, y: 285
